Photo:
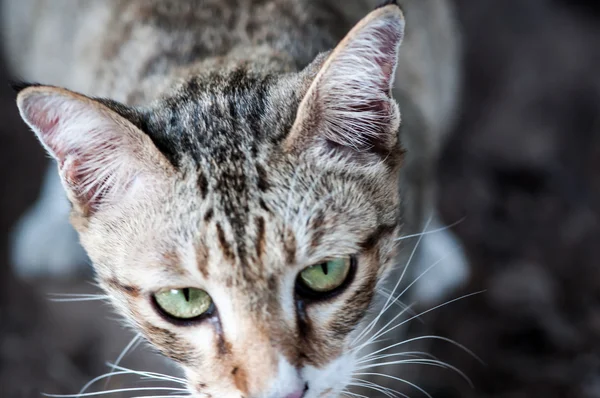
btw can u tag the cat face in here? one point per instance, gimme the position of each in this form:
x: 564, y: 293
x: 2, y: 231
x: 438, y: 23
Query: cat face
x: 244, y: 222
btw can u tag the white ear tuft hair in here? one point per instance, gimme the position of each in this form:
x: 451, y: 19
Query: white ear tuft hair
x: 100, y: 154
x: 349, y: 102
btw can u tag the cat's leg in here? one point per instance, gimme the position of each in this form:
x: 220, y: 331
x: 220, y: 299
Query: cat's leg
x: 43, y: 242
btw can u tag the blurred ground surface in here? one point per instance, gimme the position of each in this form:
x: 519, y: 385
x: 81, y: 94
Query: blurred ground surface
x: 523, y: 165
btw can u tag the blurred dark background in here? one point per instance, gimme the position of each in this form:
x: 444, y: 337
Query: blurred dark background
x: 523, y: 166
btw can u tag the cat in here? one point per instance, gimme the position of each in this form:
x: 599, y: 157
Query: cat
x: 238, y: 171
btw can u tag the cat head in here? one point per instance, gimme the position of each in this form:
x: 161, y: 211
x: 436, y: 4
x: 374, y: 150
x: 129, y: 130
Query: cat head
x: 244, y: 222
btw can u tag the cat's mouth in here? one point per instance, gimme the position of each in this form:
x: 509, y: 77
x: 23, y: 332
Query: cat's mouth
x: 299, y: 393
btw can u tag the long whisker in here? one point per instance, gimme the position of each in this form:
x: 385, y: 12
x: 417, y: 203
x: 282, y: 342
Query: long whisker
x: 429, y: 310
x: 71, y: 297
x: 413, y: 354
x: 91, y: 394
x: 375, y: 337
x: 426, y: 271
x: 416, y: 387
x: 71, y: 300
x: 374, y: 386
x: 387, y: 304
x: 407, y: 308
x: 430, y: 337
x: 123, y: 371
x: 101, y: 377
x: 353, y: 394
x: 433, y: 231
x: 421, y: 361
x: 386, y: 393
x: 158, y: 376
x: 380, y: 332
x: 129, y: 347
x: 74, y: 294
x: 385, y: 292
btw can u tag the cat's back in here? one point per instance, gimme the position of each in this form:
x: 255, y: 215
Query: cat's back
x: 66, y: 42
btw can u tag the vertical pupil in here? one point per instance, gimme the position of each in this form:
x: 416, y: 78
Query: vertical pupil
x: 186, y: 294
x: 324, y: 268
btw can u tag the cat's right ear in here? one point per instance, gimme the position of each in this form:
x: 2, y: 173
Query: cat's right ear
x: 102, y: 156
x: 348, y: 106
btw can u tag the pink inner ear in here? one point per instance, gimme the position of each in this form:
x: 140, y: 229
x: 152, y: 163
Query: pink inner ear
x: 388, y: 41
x: 357, y: 111
x: 94, y: 151
x: 41, y: 118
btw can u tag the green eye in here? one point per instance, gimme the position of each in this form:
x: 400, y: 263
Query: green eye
x: 326, y: 276
x: 183, y: 304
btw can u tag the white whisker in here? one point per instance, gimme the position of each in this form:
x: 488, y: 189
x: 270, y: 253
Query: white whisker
x: 413, y: 354
x: 374, y: 386
x: 387, y: 304
x: 101, y: 377
x: 353, y: 394
x: 405, y: 307
x: 76, y: 294
x: 71, y: 300
x: 158, y: 376
x: 429, y: 310
x: 422, y: 361
x: 416, y: 387
x: 381, y: 331
x: 430, y: 337
x: 433, y: 231
x: 375, y: 337
x: 71, y: 297
x: 91, y: 394
x: 129, y: 347
x: 426, y: 271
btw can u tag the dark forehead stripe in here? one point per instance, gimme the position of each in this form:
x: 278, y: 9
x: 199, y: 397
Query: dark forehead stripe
x: 381, y: 232
x: 221, y: 123
x: 208, y: 111
x: 224, y: 129
x: 289, y: 246
x: 260, y: 237
x: 317, y: 230
x: 223, y: 244
x: 202, y: 184
x: 262, y: 178
x: 202, y: 256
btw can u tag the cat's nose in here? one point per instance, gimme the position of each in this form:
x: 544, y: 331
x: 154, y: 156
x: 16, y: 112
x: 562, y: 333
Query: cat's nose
x: 298, y: 394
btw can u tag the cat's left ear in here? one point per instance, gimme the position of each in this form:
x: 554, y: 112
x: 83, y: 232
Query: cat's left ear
x: 348, y: 105
x: 102, y: 156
